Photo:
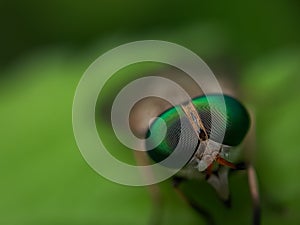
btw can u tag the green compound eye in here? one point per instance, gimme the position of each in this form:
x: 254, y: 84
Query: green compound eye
x: 235, y: 121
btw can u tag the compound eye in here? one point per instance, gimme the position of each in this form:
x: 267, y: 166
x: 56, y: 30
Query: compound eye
x: 179, y: 135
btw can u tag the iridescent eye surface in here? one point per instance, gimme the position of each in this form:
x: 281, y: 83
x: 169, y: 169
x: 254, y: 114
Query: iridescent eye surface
x: 234, y: 120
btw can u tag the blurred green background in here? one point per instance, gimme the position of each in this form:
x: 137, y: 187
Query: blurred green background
x: 47, y: 45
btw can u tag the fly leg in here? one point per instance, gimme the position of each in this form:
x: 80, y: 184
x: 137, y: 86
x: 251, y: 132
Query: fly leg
x: 219, y: 181
x: 199, y: 209
x: 154, y: 191
x: 254, y: 192
x: 250, y: 145
x: 157, y: 204
x: 253, y: 186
